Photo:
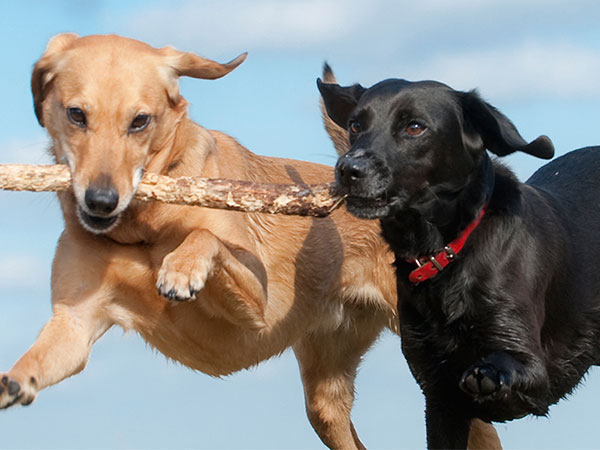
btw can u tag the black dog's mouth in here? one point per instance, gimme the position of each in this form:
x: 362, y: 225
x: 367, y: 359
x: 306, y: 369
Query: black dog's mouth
x: 96, y: 224
x: 368, y: 207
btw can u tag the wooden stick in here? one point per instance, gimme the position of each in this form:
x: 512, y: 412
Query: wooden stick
x: 305, y: 200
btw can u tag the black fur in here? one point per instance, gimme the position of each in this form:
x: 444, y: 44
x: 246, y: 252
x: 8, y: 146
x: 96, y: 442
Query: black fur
x: 513, y: 324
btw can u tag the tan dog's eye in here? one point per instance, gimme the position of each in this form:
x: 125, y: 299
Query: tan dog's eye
x: 415, y: 128
x: 140, y: 122
x: 77, y: 117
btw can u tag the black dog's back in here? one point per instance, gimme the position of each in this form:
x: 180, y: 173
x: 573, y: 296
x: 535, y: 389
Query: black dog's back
x: 572, y: 178
x: 572, y: 184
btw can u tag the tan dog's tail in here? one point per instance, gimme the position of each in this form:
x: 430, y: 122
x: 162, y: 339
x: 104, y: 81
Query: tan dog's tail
x: 338, y: 135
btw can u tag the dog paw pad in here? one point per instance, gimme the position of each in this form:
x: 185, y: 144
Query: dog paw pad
x: 485, y: 381
x: 13, y: 387
x: 12, y: 392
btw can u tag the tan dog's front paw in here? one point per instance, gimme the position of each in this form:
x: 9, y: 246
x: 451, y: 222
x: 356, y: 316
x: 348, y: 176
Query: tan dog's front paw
x: 13, y: 392
x: 182, y: 275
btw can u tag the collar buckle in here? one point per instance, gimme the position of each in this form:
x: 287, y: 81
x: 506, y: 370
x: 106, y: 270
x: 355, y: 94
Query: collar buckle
x: 429, y: 266
x: 450, y: 254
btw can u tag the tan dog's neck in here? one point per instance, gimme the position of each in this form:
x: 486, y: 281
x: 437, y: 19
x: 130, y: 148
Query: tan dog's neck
x: 186, y: 142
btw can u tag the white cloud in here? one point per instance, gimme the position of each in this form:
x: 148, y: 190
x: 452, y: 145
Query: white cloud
x: 559, y: 70
x: 509, y: 48
x: 350, y: 26
x: 237, y: 25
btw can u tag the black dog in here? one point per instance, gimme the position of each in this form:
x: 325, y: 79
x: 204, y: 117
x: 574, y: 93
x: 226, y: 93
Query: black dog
x: 502, y: 319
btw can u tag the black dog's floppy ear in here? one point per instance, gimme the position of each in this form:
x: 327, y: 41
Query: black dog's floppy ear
x: 340, y: 101
x: 498, y: 133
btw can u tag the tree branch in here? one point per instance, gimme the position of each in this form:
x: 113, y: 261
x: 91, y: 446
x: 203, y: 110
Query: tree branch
x: 305, y: 200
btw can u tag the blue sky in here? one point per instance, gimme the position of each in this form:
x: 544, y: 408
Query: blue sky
x: 538, y: 61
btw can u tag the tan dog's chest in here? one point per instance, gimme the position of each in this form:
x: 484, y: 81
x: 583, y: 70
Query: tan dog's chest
x: 199, y: 333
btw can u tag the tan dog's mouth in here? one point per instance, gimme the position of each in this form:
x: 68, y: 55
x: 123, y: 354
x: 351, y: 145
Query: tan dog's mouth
x: 96, y: 224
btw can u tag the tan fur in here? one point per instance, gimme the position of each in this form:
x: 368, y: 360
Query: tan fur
x: 483, y: 436
x: 322, y: 286
x: 338, y: 136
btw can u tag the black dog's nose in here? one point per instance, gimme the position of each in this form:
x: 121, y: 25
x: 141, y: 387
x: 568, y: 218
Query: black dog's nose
x: 351, y: 170
x: 101, y: 197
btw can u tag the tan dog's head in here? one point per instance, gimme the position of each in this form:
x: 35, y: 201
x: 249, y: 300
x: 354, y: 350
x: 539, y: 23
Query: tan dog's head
x: 111, y: 104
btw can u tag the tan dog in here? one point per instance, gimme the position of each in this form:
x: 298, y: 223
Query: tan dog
x: 218, y: 291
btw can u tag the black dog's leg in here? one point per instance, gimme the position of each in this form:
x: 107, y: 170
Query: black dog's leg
x: 500, y: 377
x: 445, y: 428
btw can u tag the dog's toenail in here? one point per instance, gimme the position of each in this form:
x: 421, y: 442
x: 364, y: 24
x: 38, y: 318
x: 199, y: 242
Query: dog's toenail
x: 13, y: 387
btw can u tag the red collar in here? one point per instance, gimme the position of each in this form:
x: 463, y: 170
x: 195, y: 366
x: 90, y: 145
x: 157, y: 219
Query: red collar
x: 430, y: 266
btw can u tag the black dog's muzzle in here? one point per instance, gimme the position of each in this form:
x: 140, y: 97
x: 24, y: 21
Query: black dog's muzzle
x: 365, y: 180
x: 359, y: 173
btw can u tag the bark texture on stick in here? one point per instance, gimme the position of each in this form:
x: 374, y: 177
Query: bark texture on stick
x: 305, y: 200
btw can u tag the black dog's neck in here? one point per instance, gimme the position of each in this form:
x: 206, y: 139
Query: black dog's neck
x: 413, y: 233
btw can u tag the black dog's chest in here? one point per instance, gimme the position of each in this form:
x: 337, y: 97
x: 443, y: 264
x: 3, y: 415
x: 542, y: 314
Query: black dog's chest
x: 440, y: 338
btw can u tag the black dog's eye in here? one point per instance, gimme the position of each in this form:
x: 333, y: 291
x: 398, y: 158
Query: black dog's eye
x: 77, y: 117
x: 354, y: 127
x: 415, y: 128
x: 140, y: 122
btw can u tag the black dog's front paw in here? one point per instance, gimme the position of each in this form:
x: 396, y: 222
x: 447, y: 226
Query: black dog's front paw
x: 484, y: 381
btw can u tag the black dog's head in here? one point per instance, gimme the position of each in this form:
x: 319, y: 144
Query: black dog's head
x: 413, y: 143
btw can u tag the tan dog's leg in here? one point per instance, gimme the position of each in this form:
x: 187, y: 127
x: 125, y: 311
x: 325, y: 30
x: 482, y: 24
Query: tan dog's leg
x: 328, y: 364
x: 203, y: 261
x: 61, y: 350
x: 63, y: 346
x: 483, y: 436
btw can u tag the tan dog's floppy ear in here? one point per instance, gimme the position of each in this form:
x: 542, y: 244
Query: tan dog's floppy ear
x: 191, y: 65
x: 43, y: 70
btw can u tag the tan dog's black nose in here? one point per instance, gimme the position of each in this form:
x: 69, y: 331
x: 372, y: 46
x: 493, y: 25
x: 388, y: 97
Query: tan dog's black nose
x: 101, y: 197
